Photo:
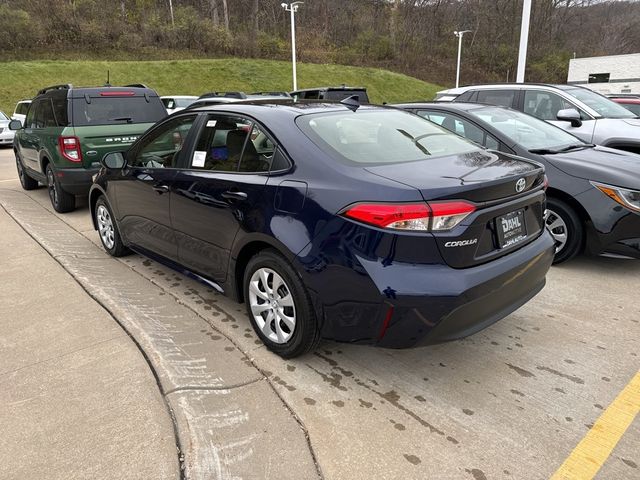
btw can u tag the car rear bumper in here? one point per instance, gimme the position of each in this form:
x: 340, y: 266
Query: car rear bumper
x: 458, y: 303
x: 76, y: 181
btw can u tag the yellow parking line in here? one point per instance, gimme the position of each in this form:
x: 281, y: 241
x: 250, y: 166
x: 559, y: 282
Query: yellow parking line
x: 594, y: 449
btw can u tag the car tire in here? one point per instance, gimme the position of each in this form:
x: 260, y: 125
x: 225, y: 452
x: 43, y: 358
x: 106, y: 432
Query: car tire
x: 26, y: 181
x: 284, y: 317
x: 566, y: 229
x: 62, y: 201
x: 108, y: 230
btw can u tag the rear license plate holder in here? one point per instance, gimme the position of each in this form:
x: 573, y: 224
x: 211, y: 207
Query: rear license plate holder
x: 511, y: 228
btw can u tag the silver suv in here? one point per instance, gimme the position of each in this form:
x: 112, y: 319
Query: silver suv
x: 580, y: 111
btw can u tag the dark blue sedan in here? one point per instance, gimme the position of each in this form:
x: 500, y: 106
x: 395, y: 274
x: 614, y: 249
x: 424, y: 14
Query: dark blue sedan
x: 364, y: 224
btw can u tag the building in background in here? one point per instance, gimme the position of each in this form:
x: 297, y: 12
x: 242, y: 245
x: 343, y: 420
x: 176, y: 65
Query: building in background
x: 612, y: 74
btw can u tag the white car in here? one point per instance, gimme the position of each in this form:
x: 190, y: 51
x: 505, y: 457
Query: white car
x: 175, y: 103
x: 582, y: 112
x: 6, y: 135
x: 20, y: 112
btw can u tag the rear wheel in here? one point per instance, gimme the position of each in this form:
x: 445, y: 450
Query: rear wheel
x: 566, y: 228
x: 108, y: 230
x: 279, y: 306
x: 26, y: 181
x: 62, y: 201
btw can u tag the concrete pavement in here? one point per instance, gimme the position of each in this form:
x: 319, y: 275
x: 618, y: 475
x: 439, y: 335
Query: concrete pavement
x: 78, y: 398
x: 509, y: 402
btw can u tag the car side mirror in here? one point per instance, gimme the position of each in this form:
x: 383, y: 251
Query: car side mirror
x: 113, y: 160
x: 570, y: 115
x: 15, y: 125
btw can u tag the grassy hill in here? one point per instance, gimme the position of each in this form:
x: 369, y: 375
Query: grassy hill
x: 21, y: 80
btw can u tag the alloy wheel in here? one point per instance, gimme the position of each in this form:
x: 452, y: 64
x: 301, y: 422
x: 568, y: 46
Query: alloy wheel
x: 557, y: 227
x: 105, y: 227
x: 272, y: 305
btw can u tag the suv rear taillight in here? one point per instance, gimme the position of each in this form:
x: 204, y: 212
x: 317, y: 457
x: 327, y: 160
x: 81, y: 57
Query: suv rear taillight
x: 436, y: 216
x: 70, y: 148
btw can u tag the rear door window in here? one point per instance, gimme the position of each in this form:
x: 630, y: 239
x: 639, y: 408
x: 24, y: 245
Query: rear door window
x: 30, y: 121
x: 220, y: 144
x: 117, y: 110
x: 501, y: 98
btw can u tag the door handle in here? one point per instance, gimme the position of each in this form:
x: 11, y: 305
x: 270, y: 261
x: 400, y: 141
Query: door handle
x: 234, y: 195
x: 160, y: 189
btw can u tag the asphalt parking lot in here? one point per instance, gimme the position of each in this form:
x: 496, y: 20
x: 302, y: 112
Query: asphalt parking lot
x: 512, y: 401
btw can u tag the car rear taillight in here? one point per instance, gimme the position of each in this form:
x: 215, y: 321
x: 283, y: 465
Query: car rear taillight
x: 70, y: 148
x: 546, y: 183
x: 436, y: 216
x: 447, y: 215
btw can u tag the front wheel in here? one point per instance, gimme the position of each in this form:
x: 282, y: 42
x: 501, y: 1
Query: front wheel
x: 108, y: 230
x: 26, y: 181
x: 62, y: 201
x: 566, y: 229
x: 279, y: 306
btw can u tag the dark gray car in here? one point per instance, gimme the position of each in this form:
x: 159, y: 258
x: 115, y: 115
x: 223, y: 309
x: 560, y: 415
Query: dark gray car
x: 593, y: 198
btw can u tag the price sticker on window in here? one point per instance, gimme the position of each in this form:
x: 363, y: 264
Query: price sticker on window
x: 198, y: 159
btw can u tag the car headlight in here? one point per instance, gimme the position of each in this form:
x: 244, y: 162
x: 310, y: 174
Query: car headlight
x: 625, y: 197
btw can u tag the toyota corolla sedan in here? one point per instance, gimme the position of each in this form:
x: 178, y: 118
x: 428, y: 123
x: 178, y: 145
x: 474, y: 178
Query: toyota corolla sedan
x: 366, y: 224
x: 593, y: 199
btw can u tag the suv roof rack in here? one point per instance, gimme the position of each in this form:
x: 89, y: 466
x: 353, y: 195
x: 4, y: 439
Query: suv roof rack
x: 64, y: 86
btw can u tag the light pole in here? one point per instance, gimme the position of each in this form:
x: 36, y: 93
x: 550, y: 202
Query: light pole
x: 459, y: 35
x: 293, y: 8
x: 524, y: 40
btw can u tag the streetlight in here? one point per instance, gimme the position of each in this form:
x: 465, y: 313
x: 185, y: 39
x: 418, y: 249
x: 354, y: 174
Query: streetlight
x: 293, y: 8
x: 459, y: 35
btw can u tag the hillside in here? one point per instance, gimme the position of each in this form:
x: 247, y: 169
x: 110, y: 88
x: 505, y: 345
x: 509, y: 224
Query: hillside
x: 193, y: 77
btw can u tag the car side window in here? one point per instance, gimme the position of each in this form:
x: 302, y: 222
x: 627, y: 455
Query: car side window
x: 461, y: 127
x: 162, y: 148
x: 221, y: 143
x: 501, y: 98
x: 48, y: 119
x: 30, y: 121
x: 23, y: 108
x: 258, y: 152
x: 544, y: 105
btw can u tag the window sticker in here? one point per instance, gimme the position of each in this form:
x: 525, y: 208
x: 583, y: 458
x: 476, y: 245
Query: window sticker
x: 211, y: 123
x: 198, y: 159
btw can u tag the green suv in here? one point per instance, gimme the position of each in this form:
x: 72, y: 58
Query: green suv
x: 68, y: 130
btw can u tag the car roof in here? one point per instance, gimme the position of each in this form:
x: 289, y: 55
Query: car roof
x: 79, y: 92
x: 288, y: 106
x: 326, y: 89
x: 518, y: 86
x: 461, y: 106
x: 178, y: 96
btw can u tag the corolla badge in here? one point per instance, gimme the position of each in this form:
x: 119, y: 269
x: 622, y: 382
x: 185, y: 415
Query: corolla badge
x: 520, y: 185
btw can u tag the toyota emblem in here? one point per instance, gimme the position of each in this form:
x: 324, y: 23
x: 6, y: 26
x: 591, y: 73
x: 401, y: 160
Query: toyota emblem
x: 520, y: 185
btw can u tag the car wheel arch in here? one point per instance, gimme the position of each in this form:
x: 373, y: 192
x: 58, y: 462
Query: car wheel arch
x: 94, y: 195
x: 571, y: 201
x: 244, y: 252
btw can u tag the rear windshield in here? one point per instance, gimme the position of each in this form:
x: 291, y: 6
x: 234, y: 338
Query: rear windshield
x: 378, y: 137
x: 117, y: 110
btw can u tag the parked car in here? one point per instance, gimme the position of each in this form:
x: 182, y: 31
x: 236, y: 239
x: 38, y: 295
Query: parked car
x: 364, y: 224
x: 631, y: 104
x: 593, y: 199
x: 238, y: 95
x: 6, y: 134
x: 331, y: 93
x: 582, y: 112
x: 67, y: 131
x: 175, y: 103
x: 20, y: 111
x: 210, y: 101
x: 273, y: 94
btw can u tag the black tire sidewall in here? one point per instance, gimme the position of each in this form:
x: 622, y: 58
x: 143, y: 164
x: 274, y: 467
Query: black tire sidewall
x: 306, y: 334
x: 26, y: 181
x: 574, y: 229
